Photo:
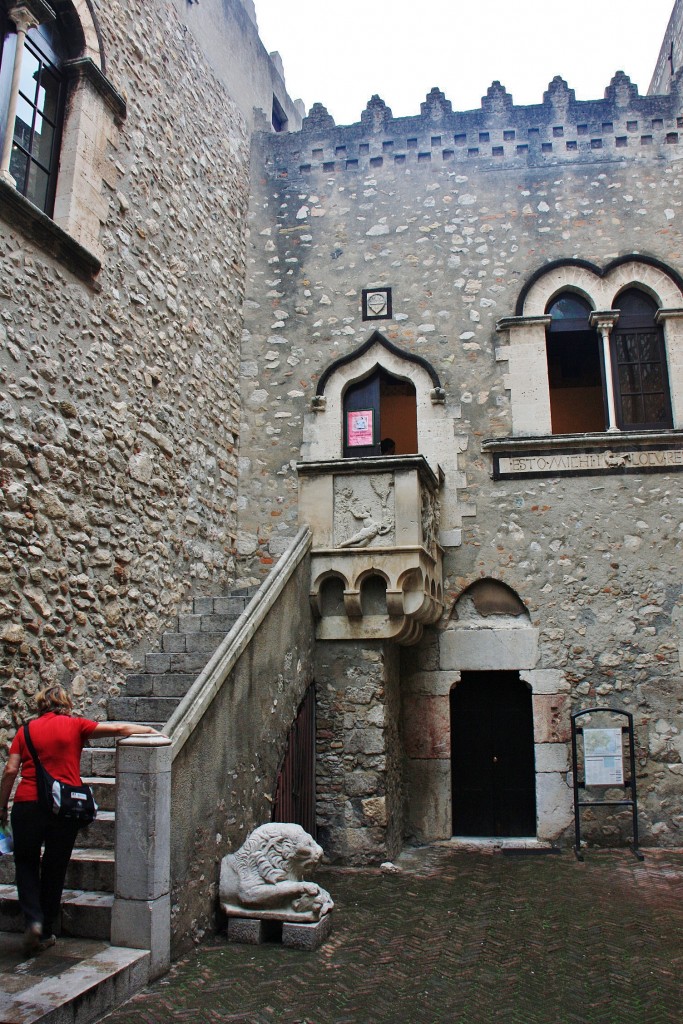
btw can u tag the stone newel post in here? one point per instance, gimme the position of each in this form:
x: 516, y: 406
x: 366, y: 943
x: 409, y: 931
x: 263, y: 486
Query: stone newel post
x: 141, y: 916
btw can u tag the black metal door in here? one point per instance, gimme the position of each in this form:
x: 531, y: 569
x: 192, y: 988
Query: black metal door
x: 492, y: 756
x: 295, y: 787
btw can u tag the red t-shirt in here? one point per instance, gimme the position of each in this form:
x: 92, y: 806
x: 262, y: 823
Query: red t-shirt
x: 59, y: 740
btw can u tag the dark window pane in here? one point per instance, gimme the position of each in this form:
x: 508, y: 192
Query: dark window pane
x: 42, y: 142
x: 569, y: 307
x: 634, y: 303
x: 651, y: 377
x: 17, y: 167
x: 655, y: 408
x: 631, y: 409
x: 648, y: 345
x: 48, y: 99
x: 23, y: 123
x: 629, y: 379
x: 38, y: 182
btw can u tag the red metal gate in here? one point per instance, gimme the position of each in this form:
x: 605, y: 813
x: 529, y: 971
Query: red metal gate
x: 295, y: 788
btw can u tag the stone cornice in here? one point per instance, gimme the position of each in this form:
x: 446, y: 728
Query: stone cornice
x: 84, y: 67
x: 508, y: 323
x: 576, y: 442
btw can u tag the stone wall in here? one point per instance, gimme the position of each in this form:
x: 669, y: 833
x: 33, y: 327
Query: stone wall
x: 359, y: 773
x: 455, y: 212
x: 670, y: 57
x: 118, y: 442
x: 224, y: 777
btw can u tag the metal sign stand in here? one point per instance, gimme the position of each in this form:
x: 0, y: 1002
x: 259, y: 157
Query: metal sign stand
x: 604, y: 768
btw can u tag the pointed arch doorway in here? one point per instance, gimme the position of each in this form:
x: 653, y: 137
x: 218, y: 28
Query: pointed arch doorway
x: 493, y: 781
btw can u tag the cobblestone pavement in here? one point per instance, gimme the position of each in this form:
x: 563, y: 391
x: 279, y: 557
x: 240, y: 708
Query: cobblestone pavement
x: 459, y: 937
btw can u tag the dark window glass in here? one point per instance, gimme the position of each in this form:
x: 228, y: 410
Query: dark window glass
x: 575, y: 374
x: 639, y: 365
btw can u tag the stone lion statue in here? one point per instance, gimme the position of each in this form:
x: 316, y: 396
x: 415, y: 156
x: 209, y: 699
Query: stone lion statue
x: 264, y: 878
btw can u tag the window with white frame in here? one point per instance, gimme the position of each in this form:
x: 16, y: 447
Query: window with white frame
x: 595, y: 351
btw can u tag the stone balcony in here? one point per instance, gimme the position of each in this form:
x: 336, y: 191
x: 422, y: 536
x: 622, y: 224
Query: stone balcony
x: 376, y: 564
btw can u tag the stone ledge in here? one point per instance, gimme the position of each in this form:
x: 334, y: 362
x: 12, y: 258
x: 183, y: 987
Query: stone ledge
x: 19, y: 213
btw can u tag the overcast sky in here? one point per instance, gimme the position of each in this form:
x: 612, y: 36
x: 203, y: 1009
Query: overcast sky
x: 341, y: 53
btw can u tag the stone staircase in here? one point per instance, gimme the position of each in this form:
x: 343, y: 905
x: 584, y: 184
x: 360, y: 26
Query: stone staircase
x: 150, y: 697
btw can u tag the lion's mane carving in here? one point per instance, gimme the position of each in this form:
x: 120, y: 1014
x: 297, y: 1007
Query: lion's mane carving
x: 264, y: 878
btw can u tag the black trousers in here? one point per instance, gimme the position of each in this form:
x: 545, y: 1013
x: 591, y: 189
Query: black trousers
x: 40, y: 880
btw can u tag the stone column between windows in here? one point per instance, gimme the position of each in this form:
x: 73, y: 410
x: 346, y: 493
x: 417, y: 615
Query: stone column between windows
x: 604, y: 321
x: 25, y: 16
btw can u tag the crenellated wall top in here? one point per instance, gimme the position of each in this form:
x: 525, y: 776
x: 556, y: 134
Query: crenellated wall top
x: 624, y: 125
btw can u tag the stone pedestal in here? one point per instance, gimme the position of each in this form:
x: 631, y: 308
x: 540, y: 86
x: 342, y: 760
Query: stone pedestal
x: 252, y: 931
x: 306, y: 936
x: 141, y: 914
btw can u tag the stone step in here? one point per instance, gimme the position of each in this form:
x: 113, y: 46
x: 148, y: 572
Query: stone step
x: 232, y: 604
x: 156, y: 710
x: 98, y: 761
x: 90, y: 868
x: 205, y: 623
x: 104, y: 791
x: 168, y: 684
x: 195, y: 662
x: 101, y: 833
x: 84, y: 914
x: 191, y: 643
x: 77, y: 981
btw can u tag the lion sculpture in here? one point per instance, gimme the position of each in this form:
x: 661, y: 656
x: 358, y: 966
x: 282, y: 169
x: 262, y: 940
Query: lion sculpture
x: 264, y: 878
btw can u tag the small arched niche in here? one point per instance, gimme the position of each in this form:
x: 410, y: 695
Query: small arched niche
x: 486, y: 601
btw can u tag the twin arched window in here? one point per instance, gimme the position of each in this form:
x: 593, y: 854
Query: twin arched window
x: 622, y: 372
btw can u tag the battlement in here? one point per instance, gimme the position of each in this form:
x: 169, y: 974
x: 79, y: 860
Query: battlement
x: 622, y: 126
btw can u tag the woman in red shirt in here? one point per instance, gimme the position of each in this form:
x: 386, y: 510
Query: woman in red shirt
x: 59, y: 737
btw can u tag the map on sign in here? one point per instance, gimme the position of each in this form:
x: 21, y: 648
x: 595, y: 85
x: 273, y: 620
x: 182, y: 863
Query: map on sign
x: 604, y: 764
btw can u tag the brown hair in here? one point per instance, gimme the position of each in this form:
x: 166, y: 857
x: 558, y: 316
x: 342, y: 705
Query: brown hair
x: 54, y: 698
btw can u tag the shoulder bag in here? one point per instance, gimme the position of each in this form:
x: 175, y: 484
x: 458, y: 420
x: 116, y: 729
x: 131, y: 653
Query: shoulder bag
x: 73, y: 803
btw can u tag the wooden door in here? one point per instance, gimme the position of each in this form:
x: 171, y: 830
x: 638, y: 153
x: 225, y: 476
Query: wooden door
x: 492, y: 756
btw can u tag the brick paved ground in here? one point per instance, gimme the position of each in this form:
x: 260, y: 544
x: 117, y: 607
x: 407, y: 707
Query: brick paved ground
x: 458, y: 937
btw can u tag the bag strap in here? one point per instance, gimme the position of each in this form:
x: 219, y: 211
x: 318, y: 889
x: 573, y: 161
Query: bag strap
x: 32, y: 749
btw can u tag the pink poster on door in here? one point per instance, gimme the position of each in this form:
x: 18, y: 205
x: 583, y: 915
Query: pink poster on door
x: 359, y: 428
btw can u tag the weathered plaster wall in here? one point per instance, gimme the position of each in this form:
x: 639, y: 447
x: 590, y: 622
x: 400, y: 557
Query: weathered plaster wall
x: 455, y: 212
x: 224, y: 777
x: 119, y: 418
x: 228, y: 36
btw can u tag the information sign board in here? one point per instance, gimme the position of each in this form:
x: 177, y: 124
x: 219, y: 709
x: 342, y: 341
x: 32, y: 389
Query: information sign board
x: 604, y: 763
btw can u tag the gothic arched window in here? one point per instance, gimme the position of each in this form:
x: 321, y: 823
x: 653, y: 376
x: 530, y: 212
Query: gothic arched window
x: 639, y: 364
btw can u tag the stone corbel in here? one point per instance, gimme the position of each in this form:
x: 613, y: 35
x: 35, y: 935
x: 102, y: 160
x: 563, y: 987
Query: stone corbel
x: 352, y: 604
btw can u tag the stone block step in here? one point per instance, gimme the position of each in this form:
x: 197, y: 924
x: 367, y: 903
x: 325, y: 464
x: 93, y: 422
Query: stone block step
x: 168, y: 684
x: 77, y: 981
x: 195, y: 662
x: 89, y: 868
x: 191, y: 643
x: 85, y: 914
x: 104, y: 791
x: 231, y: 604
x: 205, y: 623
x: 101, y: 833
x: 99, y: 761
x: 156, y: 710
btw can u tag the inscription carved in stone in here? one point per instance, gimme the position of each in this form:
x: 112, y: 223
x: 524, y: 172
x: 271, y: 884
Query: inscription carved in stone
x: 364, y: 513
x: 577, y: 462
